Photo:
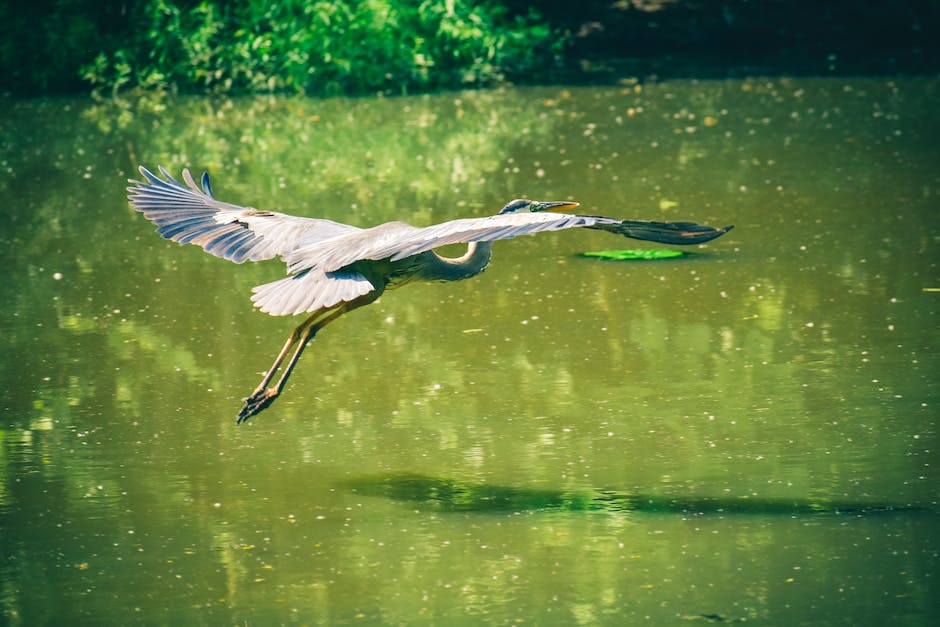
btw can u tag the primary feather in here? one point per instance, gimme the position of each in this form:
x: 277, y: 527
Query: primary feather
x: 190, y: 215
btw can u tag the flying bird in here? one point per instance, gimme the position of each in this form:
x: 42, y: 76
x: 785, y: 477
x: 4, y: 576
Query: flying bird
x: 334, y: 268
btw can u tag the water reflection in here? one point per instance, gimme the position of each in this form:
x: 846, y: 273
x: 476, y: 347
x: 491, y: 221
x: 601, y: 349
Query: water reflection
x: 794, y: 361
x: 451, y: 495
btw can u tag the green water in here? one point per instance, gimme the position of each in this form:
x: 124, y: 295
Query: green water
x: 793, y: 360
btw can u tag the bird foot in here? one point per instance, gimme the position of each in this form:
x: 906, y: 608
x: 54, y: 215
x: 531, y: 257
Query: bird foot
x: 255, y: 403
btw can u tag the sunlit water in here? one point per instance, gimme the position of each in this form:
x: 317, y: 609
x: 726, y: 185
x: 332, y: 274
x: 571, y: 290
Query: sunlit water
x: 794, y: 360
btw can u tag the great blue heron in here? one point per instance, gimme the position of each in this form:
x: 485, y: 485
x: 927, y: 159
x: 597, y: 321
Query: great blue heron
x: 334, y: 268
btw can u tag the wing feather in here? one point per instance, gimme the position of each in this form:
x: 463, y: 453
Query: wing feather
x: 186, y: 213
x: 309, y: 290
x: 397, y: 240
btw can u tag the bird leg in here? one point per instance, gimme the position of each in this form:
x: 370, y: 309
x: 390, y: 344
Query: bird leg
x: 263, y: 396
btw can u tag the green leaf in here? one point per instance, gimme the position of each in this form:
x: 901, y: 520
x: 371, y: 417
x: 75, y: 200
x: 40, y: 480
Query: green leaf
x: 638, y: 253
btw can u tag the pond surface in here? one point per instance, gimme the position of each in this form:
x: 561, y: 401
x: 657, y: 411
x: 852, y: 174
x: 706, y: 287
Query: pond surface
x: 561, y: 440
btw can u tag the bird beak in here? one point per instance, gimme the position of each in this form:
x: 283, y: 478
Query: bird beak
x: 555, y: 205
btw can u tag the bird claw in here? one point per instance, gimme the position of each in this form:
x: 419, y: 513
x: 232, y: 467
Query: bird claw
x: 255, y: 403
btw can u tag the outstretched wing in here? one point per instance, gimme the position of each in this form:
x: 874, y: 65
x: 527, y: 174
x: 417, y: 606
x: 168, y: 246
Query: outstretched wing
x: 397, y: 240
x: 683, y: 233
x: 505, y: 226
x: 190, y: 215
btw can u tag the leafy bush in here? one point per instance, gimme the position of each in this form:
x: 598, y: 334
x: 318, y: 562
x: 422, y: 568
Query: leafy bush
x: 317, y: 47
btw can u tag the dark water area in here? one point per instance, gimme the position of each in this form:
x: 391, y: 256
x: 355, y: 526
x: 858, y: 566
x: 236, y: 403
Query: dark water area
x: 793, y: 360
x: 449, y: 495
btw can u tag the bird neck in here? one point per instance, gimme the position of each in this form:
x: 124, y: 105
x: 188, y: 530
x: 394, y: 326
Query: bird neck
x: 470, y: 264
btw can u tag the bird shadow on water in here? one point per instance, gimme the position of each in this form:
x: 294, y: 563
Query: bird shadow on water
x: 451, y: 495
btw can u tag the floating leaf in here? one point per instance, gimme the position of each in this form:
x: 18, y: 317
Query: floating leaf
x: 639, y: 253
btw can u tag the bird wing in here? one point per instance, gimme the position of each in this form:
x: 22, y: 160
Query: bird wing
x: 188, y: 214
x: 309, y: 290
x: 683, y: 233
x: 397, y: 240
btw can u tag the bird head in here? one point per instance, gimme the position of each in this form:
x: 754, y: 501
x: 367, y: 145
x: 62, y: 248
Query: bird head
x: 522, y: 205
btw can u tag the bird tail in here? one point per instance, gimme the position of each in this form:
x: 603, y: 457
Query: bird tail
x: 664, y: 232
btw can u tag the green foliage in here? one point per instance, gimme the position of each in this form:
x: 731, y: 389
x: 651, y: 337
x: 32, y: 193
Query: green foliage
x: 646, y: 254
x: 311, y: 47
